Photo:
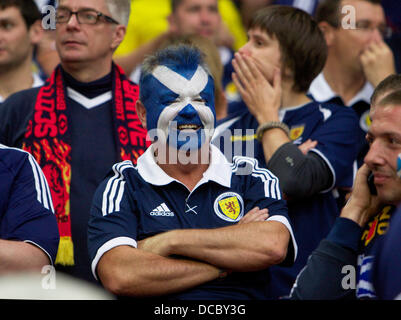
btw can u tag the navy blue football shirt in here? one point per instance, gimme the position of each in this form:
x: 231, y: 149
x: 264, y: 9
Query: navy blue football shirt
x: 386, y: 269
x: 335, y: 128
x: 26, y: 209
x: 134, y: 203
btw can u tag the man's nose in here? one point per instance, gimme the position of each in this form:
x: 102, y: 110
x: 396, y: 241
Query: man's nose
x: 205, y: 16
x: 374, y: 157
x: 73, y: 22
x: 188, y: 112
x: 376, y: 35
x: 245, y: 49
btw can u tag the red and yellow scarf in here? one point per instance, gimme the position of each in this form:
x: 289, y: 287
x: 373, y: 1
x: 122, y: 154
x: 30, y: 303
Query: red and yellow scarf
x: 48, y: 139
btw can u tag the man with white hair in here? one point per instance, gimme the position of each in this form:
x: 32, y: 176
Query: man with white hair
x: 81, y: 121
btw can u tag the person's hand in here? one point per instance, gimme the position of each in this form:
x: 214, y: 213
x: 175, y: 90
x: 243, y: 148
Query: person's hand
x: 262, y: 98
x: 255, y: 215
x: 307, y: 146
x: 377, y: 62
x: 362, y: 205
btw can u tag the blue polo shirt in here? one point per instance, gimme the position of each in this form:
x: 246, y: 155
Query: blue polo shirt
x: 321, y: 91
x: 26, y: 209
x: 134, y: 203
x: 336, y: 130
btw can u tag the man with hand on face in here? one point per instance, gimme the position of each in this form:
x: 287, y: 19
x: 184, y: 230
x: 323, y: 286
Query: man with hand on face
x: 309, y: 146
x: 344, y: 265
x: 177, y: 223
x: 358, y: 58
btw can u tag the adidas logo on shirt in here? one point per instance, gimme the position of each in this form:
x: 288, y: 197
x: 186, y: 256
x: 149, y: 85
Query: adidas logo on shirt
x: 162, y: 210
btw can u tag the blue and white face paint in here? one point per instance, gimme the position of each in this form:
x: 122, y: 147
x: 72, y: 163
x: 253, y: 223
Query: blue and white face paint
x: 399, y: 166
x: 180, y: 106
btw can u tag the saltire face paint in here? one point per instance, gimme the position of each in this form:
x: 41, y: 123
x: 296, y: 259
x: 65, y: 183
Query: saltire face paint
x: 399, y: 166
x: 180, y: 105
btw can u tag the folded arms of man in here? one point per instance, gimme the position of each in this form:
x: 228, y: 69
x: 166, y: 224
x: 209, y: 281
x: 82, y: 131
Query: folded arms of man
x: 203, y: 255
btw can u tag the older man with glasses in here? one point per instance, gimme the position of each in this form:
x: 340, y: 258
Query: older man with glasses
x: 81, y: 122
x: 358, y: 59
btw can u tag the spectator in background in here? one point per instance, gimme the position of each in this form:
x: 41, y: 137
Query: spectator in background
x: 358, y: 58
x: 249, y: 7
x: 309, y: 146
x: 81, y: 122
x: 20, y: 31
x: 354, y: 241
x: 392, y: 10
x: 201, y: 17
x: 45, y: 55
x: 28, y: 228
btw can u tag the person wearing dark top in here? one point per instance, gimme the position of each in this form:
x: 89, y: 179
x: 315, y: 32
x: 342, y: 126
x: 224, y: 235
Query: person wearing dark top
x: 341, y: 267
x: 81, y: 121
x: 28, y: 229
x: 358, y: 57
x: 386, y: 267
x: 20, y: 32
x: 230, y: 228
x: 309, y: 146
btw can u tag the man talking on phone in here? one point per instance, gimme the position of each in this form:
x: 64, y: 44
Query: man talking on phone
x: 341, y: 266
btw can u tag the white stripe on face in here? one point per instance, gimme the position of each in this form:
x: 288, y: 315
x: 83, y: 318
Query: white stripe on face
x: 188, y: 92
x: 180, y: 85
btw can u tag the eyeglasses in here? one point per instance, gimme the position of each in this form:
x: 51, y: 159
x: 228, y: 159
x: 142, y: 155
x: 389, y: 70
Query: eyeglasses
x: 85, y: 16
x: 366, y: 26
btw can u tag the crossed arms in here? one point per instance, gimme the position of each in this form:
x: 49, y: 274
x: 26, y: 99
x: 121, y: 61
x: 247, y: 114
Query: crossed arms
x: 150, y: 270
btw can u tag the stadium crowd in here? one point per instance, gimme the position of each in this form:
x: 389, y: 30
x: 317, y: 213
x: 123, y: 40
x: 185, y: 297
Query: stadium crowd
x: 263, y: 134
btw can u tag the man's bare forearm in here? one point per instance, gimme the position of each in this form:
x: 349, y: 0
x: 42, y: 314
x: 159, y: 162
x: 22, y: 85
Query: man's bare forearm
x: 16, y: 256
x: 133, y: 272
x: 248, y: 247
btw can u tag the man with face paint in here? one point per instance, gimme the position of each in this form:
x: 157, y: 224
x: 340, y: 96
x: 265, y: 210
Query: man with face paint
x: 184, y: 107
x: 186, y: 230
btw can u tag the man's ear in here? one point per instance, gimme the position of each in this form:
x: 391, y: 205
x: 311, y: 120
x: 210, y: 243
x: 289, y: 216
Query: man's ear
x: 119, y: 35
x: 141, y: 112
x: 328, y: 32
x: 36, y: 32
x: 172, y: 25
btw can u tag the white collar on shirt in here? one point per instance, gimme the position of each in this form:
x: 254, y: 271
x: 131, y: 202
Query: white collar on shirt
x: 219, y: 169
x: 322, y: 92
x: 37, y: 81
x: 87, y: 102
